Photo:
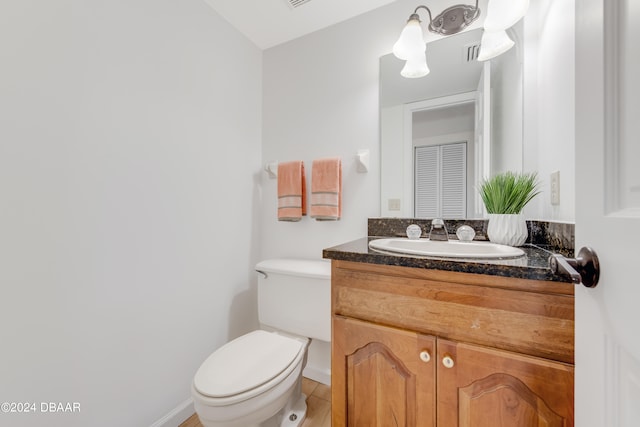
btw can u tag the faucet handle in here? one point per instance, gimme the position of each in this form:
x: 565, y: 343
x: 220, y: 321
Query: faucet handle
x: 465, y: 233
x: 414, y: 232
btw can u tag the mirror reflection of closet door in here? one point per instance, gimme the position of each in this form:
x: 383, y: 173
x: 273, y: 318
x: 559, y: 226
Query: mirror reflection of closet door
x: 440, y: 173
x: 435, y: 122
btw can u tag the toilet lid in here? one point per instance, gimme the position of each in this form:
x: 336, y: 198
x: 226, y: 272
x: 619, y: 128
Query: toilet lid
x: 245, y: 363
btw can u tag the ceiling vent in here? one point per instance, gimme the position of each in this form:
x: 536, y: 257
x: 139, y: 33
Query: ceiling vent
x: 296, y: 3
x: 470, y: 52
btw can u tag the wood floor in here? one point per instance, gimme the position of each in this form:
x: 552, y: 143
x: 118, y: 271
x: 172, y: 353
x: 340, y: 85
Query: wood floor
x: 318, y: 406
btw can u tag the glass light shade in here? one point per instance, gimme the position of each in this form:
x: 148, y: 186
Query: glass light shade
x: 411, y: 42
x: 494, y: 43
x: 503, y: 14
x: 415, y: 67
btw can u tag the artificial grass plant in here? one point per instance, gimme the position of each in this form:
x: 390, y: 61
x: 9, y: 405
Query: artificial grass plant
x: 509, y: 192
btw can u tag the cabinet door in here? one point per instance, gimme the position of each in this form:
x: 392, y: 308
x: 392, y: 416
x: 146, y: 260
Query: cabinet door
x: 482, y: 387
x: 381, y: 376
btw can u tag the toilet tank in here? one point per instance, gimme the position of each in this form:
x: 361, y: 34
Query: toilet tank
x: 294, y: 295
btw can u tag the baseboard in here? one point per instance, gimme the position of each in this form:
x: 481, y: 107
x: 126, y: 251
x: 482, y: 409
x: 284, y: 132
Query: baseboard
x: 320, y: 375
x: 177, y: 416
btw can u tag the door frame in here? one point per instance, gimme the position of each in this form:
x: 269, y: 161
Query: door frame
x: 407, y: 142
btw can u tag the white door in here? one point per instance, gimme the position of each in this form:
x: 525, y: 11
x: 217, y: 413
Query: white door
x: 608, y: 211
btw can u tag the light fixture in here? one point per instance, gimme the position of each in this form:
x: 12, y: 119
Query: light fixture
x: 501, y: 15
x: 494, y: 43
x: 411, y: 45
x: 411, y: 42
x: 415, y: 67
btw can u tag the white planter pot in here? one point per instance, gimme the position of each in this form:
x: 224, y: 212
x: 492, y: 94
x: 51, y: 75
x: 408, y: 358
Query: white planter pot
x: 507, y: 229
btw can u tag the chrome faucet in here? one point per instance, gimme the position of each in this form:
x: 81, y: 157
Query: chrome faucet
x: 438, y: 230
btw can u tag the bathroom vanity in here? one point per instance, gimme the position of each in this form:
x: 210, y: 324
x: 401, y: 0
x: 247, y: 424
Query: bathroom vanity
x: 433, y: 342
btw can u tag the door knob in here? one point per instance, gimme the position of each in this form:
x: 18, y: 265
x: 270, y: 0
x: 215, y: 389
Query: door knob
x: 584, y: 269
x: 448, y: 362
x: 425, y: 356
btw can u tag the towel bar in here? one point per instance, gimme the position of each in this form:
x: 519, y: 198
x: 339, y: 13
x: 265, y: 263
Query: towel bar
x: 272, y: 169
x: 363, y: 160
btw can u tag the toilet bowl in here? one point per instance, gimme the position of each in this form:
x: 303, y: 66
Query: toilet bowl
x: 251, y: 380
x: 256, y: 379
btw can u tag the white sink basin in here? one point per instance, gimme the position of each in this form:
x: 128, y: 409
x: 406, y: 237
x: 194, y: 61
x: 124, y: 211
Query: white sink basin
x: 449, y: 249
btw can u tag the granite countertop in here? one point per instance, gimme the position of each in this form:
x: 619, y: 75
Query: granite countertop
x: 534, y: 265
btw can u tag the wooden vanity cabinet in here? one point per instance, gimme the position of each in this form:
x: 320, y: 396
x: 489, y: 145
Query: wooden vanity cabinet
x: 377, y: 376
x: 488, y: 388
x: 414, y: 347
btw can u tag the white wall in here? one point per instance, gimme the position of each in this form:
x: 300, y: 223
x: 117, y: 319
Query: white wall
x: 549, y: 127
x: 443, y: 121
x: 321, y: 100
x: 507, y: 107
x: 129, y: 151
x: 392, y: 161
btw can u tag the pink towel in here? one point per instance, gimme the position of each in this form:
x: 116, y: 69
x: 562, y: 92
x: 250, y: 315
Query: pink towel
x: 292, y: 204
x: 326, y: 189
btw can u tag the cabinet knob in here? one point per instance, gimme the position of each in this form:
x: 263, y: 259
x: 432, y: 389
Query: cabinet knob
x: 425, y: 356
x: 448, y: 362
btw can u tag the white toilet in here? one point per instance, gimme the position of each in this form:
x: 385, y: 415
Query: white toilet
x: 255, y: 380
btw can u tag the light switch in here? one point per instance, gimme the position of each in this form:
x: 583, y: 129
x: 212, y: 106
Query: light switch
x: 394, y: 204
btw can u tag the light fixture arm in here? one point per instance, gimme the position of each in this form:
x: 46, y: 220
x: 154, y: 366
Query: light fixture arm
x: 411, y: 46
x: 415, y: 13
x: 452, y: 20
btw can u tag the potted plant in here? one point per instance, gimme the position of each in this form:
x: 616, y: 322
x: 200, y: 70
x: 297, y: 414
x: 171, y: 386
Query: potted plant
x: 504, y: 196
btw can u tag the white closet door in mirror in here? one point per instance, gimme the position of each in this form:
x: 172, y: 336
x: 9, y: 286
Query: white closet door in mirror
x: 440, y: 174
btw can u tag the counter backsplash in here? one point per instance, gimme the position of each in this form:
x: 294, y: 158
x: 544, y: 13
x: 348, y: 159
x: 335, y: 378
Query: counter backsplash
x: 556, y: 236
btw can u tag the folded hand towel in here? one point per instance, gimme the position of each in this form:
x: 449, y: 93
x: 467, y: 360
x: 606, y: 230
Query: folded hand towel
x: 326, y: 189
x: 292, y: 202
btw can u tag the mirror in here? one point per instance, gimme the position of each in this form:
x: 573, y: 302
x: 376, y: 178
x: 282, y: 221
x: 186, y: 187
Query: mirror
x: 461, y: 101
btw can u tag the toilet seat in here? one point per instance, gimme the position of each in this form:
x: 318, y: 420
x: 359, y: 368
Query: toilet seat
x: 247, y: 366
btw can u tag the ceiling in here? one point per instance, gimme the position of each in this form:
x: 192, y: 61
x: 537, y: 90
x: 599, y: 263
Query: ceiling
x: 268, y: 23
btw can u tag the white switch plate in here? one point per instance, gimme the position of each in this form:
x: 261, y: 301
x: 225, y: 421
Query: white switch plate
x: 394, y: 204
x: 555, y: 188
